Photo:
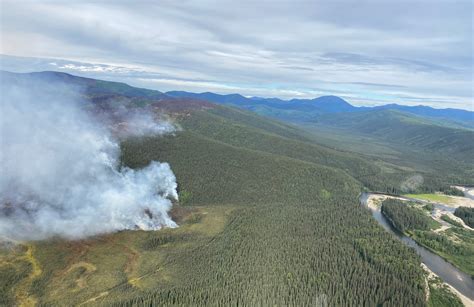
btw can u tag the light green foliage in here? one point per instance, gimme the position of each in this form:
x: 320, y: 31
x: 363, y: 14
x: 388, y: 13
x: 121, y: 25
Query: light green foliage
x: 441, y: 295
x: 451, y: 221
x: 440, y: 198
x: 184, y: 197
x: 456, y: 245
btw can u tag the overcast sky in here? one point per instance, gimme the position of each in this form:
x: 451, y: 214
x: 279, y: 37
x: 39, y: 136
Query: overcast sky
x: 369, y: 52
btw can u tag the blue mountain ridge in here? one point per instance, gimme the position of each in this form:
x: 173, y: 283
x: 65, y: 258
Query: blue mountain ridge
x: 325, y: 104
x: 297, y: 109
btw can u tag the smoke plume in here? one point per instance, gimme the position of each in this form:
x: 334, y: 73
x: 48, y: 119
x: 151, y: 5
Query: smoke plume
x: 60, y: 173
x: 412, y: 183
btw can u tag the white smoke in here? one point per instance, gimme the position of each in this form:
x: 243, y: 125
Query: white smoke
x: 60, y: 174
x: 138, y: 123
x: 412, y: 183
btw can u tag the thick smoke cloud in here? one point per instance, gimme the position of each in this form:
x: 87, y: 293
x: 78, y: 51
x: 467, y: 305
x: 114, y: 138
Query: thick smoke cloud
x: 60, y: 173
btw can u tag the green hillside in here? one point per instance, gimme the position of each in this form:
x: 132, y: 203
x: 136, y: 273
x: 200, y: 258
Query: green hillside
x: 259, y: 223
x: 91, y: 87
x: 379, y: 172
x: 408, y: 130
x: 283, y: 227
x: 267, y: 216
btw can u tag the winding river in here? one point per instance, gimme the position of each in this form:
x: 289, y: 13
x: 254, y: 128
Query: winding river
x: 446, y: 271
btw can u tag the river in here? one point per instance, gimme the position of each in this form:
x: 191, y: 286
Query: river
x: 446, y: 271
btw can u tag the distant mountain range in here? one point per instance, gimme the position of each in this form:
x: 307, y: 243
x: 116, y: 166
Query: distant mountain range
x: 298, y: 110
x: 447, y: 131
x: 311, y: 109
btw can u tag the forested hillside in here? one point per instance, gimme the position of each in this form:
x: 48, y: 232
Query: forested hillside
x: 303, y: 200
x: 256, y: 227
x: 266, y: 215
x: 408, y: 130
x: 300, y: 110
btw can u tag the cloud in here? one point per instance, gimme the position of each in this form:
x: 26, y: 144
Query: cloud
x: 422, y: 46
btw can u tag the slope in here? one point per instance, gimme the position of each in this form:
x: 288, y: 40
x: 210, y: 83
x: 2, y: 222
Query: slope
x: 90, y: 87
x: 288, y: 222
x: 265, y: 218
x: 456, y: 115
x: 301, y: 110
x: 408, y: 130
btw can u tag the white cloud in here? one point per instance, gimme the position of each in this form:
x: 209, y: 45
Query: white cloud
x: 264, y: 48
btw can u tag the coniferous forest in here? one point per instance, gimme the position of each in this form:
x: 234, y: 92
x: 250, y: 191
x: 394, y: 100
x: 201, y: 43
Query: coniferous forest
x: 288, y: 153
x: 267, y: 215
x: 466, y: 214
x: 404, y: 217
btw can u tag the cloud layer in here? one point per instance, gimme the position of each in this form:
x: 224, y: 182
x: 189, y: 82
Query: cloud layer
x: 370, y: 52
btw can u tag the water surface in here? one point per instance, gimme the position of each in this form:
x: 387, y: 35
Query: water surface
x: 445, y: 270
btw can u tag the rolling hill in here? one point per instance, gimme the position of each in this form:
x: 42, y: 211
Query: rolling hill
x: 409, y: 130
x: 91, y: 87
x: 294, y: 110
x: 299, y: 110
x: 401, y: 134
x: 266, y: 214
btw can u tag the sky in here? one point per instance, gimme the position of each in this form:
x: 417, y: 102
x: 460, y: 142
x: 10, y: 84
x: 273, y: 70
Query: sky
x: 369, y: 52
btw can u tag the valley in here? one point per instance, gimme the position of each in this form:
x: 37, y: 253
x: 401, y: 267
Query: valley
x: 236, y: 153
x: 268, y: 214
